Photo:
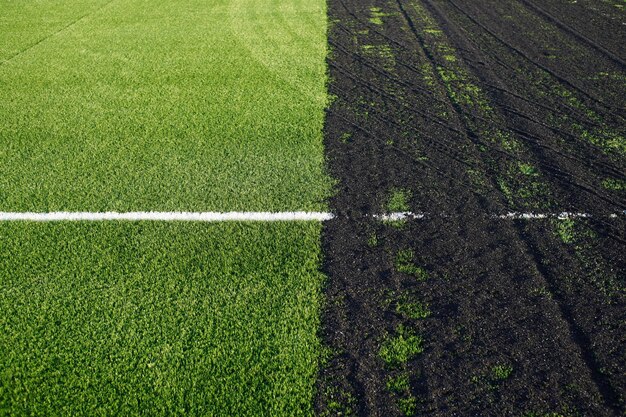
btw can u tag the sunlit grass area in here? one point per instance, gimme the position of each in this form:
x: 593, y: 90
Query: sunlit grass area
x: 185, y: 105
x: 158, y: 318
x: 174, y: 106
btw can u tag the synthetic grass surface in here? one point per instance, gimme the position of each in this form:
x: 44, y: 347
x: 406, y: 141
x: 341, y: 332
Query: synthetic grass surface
x: 158, y: 318
x: 168, y: 105
x: 24, y: 24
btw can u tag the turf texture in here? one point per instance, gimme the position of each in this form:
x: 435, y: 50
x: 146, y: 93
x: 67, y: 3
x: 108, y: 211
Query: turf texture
x: 158, y: 318
x: 26, y: 24
x: 165, y: 105
x: 175, y: 105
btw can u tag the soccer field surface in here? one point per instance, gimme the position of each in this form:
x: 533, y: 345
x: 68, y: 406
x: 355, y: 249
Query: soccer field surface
x: 169, y: 106
x: 309, y: 207
x: 158, y: 318
x: 187, y: 105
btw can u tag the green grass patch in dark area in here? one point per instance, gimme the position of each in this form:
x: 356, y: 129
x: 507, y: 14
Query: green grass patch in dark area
x: 345, y: 137
x: 408, y: 405
x: 372, y: 240
x: 565, y: 229
x: 405, y: 263
x: 614, y: 184
x: 501, y: 372
x: 527, y: 169
x: 158, y: 319
x: 398, y: 201
x: 341, y: 403
x: 412, y: 309
x: 399, y: 384
x: 376, y: 15
x: 400, y: 387
x: 400, y: 348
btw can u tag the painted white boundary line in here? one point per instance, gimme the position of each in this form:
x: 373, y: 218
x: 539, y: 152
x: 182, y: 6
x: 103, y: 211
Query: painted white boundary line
x: 247, y: 216
x: 168, y: 216
x: 405, y: 215
x: 511, y: 215
x: 532, y: 216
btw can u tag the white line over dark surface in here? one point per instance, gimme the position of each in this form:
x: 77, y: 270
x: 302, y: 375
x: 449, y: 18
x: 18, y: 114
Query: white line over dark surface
x: 532, y: 216
x: 252, y: 216
x: 511, y: 215
x: 399, y: 216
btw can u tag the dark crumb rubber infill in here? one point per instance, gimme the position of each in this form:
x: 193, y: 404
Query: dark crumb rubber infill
x: 466, y: 110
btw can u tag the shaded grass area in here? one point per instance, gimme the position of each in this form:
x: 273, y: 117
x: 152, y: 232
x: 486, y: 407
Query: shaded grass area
x: 158, y: 318
x: 180, y: 105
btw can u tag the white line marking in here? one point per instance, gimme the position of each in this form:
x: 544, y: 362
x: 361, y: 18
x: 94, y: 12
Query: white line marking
x: 252, y: 216
x: 169, y: 216
x: 399, y: 216
x: 514, y: 215
x: 532, y: 216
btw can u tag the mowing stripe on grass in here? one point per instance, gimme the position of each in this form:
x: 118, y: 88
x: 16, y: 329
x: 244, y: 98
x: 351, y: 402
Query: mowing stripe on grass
x: 255, y: 216
x: 49, y: 35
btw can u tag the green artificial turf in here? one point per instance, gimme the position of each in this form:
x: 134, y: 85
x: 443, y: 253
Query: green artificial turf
x: 168, y: 105
x: 24, y: 24
x: 178, y: 105
x: 158, y: 318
